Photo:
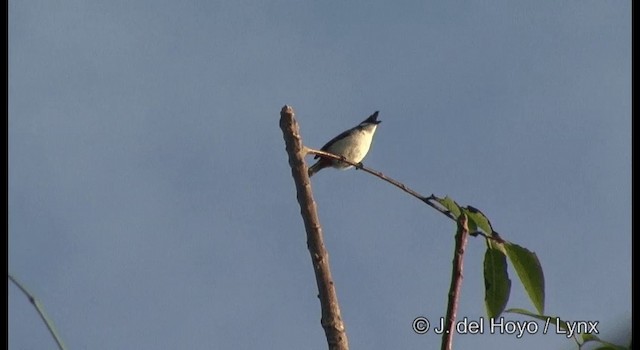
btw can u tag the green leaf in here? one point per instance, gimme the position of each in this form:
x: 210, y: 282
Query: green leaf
x: 471, y: 224
x: 588, y: 337
x: 479, y: 220
x: 529, y: 271
x: 450, y: 205
x: 496, y: 245
x: 551, y: 319
x: 564, y: 326
x: 609, y: 346
x: 497, y: 285
x: 605, y: 345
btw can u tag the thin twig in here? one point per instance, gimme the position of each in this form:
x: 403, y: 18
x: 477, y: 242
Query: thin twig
x: 430, y: 200
x: 40, y: 309
x: 331, y: 320
x: 398, y: 184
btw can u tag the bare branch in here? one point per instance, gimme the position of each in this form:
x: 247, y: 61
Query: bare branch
x: 331, y: 320
x: 431, y: 200
x: 398, y: 184
x: 456, y: 282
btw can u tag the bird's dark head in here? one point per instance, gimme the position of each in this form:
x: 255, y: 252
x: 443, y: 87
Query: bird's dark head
x: 373, y: 119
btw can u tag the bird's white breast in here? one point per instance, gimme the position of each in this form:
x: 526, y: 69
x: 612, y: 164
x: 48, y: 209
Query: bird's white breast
x: 355, y: 146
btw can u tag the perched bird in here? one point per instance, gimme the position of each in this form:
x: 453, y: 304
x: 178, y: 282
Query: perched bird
x: 352, y: 144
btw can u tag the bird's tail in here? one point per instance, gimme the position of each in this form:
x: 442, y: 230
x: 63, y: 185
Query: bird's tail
x: 317, y: 167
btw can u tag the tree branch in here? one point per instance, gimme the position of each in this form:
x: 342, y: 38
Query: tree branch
x: 428, y: 200
x: 331, y: 320
x: 431, y: 200
x: 456, y: 282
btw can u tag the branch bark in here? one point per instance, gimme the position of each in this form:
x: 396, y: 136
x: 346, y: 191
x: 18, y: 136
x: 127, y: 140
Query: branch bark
x: 331, y: 320
x: 456, y: 282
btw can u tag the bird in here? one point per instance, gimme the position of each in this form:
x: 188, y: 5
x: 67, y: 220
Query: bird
x: 352, y: 144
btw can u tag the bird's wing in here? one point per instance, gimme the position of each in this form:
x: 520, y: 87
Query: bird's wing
x: 333, y: 140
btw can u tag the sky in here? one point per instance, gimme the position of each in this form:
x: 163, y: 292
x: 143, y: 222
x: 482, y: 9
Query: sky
x: 151, y: 204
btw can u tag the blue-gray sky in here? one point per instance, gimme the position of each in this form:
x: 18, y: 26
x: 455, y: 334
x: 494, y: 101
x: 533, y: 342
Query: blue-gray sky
x: 151, y: 204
